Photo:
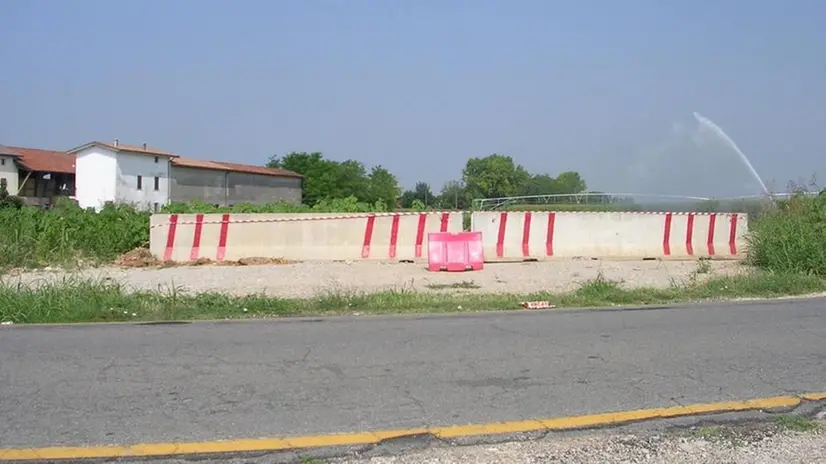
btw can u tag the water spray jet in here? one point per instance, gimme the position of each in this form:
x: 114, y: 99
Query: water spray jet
x: 707, y: 123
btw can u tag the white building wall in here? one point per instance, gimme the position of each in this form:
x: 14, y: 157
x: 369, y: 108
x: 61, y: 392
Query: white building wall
x: 8, y: 171
x: 95, y: 171
x: 148, y: 167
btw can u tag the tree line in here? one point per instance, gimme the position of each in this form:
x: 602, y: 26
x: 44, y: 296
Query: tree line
x: 491, y: 176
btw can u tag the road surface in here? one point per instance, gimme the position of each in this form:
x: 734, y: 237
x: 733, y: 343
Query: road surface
x: 129, y: 384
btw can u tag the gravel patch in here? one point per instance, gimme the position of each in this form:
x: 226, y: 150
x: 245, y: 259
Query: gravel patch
x: 301, y: 280
x: 759, y: 447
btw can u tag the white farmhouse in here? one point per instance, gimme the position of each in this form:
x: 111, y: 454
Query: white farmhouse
x: 149, y: 178
x: 8, y: 170
x: 113, y: 172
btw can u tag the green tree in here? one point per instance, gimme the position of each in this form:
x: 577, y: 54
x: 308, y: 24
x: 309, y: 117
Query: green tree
x: 383, y: 187
x: 454, y: 196
x: 570, y: 182
x: 493, y: 176
x: 350, y: 179
x: 539, y: 184
x: 421, y: 193
x: 301, y: 162
x: 325, y: 179
x: 315, y: 169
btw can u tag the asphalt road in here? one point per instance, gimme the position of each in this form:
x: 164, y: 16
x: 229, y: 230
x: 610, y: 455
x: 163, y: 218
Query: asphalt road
x: 125, y: 384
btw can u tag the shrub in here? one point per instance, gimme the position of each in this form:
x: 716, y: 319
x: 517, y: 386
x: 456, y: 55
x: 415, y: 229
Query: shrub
x: 8, y: 201
x: 791, y: 237
x: 335, y: 205
x: 67, y: 233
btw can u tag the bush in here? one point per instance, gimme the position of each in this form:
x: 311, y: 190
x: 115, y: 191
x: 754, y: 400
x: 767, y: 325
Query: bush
x: 67, y: 234
x: 336, y: 205
x: 8, y: 201
x: 791, y: 237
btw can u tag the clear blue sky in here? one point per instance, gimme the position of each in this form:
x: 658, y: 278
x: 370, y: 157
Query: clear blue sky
x: 606, y: 88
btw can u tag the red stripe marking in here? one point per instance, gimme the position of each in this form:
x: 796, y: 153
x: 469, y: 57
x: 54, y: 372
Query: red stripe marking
x: 500, y: 240
x: 394, y: 235
x: 222, y: 239
x: 732, y: 235
x: 689, y: 235
x: 712, y: 220
x: 196, y: 240
x: 368, y: 236
x: 420, y: 234
x: 667, y: 235
x: 549, y: 239
x: 170, y: 237
x: 445, y: 221
x: 526, y: 235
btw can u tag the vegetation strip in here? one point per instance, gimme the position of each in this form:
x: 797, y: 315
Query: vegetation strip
x: 70, y: 301
x: 375, y: 437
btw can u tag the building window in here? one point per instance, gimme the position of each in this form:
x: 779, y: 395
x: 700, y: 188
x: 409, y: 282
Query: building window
x: 140, y: 182
x: 156, y: 160
x: 2, y: 161
x: 157, y: 208
x: 4, y: 183
x: 157, y: 183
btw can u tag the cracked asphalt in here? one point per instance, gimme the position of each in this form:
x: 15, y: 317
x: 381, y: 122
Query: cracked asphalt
x: 128, y: 384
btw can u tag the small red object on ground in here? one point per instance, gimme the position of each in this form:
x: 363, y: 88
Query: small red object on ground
x: 454, y: 252
x: 537, y: 305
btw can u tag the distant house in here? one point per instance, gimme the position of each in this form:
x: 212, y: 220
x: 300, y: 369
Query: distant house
x: 38, y: 176
x: 150, y: 178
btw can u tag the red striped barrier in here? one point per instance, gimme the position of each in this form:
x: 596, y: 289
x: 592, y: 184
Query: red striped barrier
x: 400, y: 236
x: 542, y: 235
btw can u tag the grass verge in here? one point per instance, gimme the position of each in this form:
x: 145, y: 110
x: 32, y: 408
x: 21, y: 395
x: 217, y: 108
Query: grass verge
x: 104, y: 301
x: 796, y: 423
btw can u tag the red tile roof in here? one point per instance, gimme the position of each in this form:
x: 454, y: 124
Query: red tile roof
x: 177, y: 160
x: 233, y: 167
x: 6, y: 151
x: 193, y: 163
x: 33, y: 159
x: 134, y: 149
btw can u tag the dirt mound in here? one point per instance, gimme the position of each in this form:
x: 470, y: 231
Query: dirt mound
x: 256, y: 261
x: 139, y: 257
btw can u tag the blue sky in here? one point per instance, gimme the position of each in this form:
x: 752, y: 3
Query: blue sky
x: 606, y: 88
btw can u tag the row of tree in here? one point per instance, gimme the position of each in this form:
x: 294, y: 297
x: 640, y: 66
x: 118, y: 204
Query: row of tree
x: 487, y: 177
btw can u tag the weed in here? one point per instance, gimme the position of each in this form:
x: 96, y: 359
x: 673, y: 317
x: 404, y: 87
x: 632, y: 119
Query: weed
x: 68, y: 234
x: 464, y: 285
x: 711, y: 433
x: 305, y: 460
x: 791, y: 237
x: 703, y: 266
x: 75, y: 300
x: 796, y: 423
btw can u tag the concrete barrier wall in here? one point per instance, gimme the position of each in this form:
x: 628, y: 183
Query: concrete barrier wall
x: 219, y: 237
x: 509, y: 236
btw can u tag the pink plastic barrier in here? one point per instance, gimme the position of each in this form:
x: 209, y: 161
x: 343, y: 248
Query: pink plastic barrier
x: 455, y: 252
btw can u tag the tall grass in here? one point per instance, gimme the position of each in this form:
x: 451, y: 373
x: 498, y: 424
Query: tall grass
x: 791, y: 237
x: 76, y: 300
x: 67, y: 234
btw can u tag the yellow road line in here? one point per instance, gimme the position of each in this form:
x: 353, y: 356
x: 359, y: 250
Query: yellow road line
x: 814, y: 396
x: 366, y: 438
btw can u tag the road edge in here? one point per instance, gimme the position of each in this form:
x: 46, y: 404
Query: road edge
x: 371, y: 438
x: 432, y: 315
